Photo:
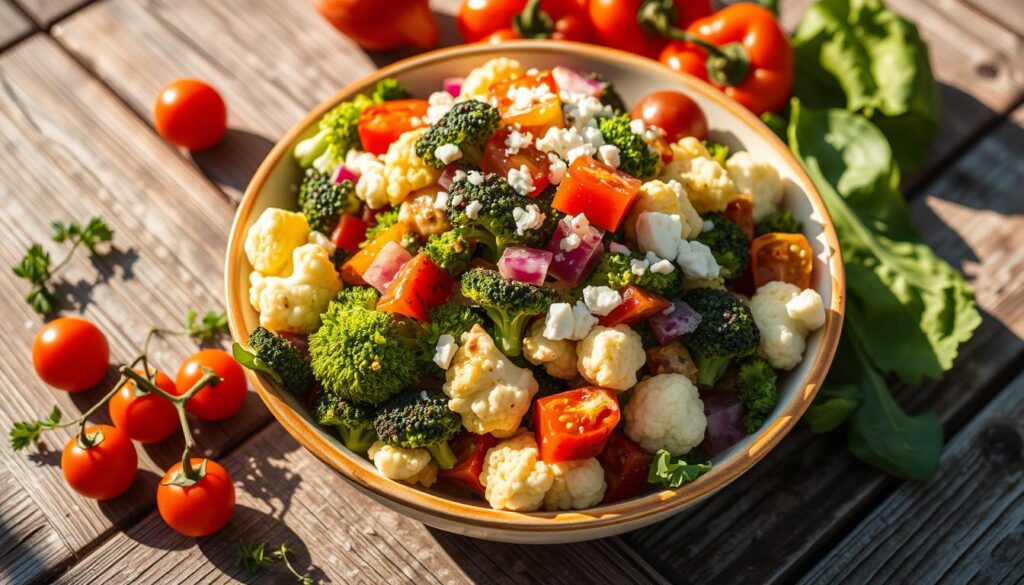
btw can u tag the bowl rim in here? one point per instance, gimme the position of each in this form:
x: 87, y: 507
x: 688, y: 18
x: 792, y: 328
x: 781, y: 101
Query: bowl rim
x: 445, y: 509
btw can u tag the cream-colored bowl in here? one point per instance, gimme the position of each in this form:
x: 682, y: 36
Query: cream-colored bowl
x: 634, y: 77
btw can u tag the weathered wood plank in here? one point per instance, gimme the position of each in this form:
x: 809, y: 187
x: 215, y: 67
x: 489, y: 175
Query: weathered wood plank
x: 768, y: 524
x: 1008, y: 14
x: 46, y: 12
x: 344, y: 537
x: 70, y: 150
x: 29, y: 546
x: 13, y: 24
x: 967, y: 527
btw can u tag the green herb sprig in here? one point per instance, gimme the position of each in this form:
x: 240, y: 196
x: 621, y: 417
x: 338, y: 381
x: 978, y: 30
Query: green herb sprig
x: 254, y: 558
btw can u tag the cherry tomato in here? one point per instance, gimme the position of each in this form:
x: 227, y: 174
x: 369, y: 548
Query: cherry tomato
x: 419, y: 286
x: 145, y: 417
x: 191, y: 114
x: 500, y: 36
x: 70, y: 354
x: 785, y: 257
x: 626, y: 466
x: 616, y: 23
x: 740, y: 211
x: 219, y: 400
x: 349, y: 233
x: 381, y: 124
x: 201, y: 508
x: 637, y: 305
x: 572, y: 28
x: 105, y: 469
x: 598, y: 190
x: 492, y: 20
x: 575, y: 424
x: 674, y: 112
x: 496, y: 159
x: 471, y: 450
x: 540, y: 114
x: 477, y: 19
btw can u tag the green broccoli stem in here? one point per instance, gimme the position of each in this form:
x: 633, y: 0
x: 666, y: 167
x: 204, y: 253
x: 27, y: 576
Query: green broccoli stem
x: 508, y: 333
x: 356, y: 441
x: 709, y: 369
x: 486, y: 240
x: 443, y: 455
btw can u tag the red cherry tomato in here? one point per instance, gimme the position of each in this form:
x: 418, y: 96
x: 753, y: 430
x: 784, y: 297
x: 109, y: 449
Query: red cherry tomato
x: 219, y: 400
x: 785, y: 257
x: 541, y: 114
x: 471, y: 451
x: 616, y: 24
x: 145, y: 417
x: 598, y: 190
x: 626, y: 466
x: 637, y: 305
x: 201, y: 508
x: 674, y: 112
x: 477, y: 19
x: 105, y: 469
x: 497, y: 160
x: 575, y: 424
x: 572, y: 28
x: 191, y: 114
x: 492, y: 20
x: 381, y: 124
x: 70, y: 354
x: 500, y: 36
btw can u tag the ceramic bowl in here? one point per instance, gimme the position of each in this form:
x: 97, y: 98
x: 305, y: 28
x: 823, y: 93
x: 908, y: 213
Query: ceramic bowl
x: 634, y: 77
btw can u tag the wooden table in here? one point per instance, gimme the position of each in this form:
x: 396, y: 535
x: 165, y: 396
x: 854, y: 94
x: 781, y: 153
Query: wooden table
x: 77, y: 80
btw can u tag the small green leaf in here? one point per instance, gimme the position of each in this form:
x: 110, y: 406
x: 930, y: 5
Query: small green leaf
x: 181, y: 480
x: 34, y: 266
x: 25, y: 433
x: 95, y: 232
x: 253, y: 557
x: 249, y: 360
x: 832, y: 407
x: 674, y: 473
x: 211, y: 325
x: 41, y: 301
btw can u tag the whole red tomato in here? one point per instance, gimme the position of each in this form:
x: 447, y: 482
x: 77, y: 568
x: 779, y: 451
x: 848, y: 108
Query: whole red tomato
x: 675, y: 113
x: 145, y: 417
x: 70, y: 354
x: 191, y: 114
x: 642, y: 27
x: 104, y: 469
x: 199, y: 509
x: 217, y: 401
x: 501, y: 20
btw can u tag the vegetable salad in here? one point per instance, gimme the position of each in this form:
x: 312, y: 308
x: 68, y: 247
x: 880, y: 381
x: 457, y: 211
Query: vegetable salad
x: 519, y: 287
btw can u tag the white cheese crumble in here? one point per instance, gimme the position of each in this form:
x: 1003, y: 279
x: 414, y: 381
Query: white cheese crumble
x: 445, y: 351
x: 618, y: 248
x: 637, y: 126
x: 638, y: 267
x: 460, y: 175
x: 556, y: 172
x: 570, y: 143
x: 601, y: 300
x: 321, y: 240
x: 565, y: 321
x: 707, y: 225
x: 609, y: 155
x: 580, y: 224
x: 438, y: 105
x: 456, y: 199
x: 659, y: 233
x: 447, y: 153
x: 570, y: 243
x: 662, y: 267
x: 521, y: 180
x: 530, y: 218
x: 474, y: 178
x: 696, y: 260
x: 441, y: 200
x: 516, y: 140
x: 523, y: 98
x: 581, y: 110
x: 473, y: 209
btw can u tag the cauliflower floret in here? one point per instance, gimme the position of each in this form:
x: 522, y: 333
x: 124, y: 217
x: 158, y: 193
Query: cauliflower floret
x: 514, y: 477
x: 271, y: 240
x: 665, y: 412
x: 421, y: 215
x: 668, y: 198
x: 785, y: 316
x: 404, y: 172
x: 398, y: 463
x: 610, y: 356
x: 708, y: 185
x: 372, y: 186
x: 490, y: 392
x: 557, y: 357
x: 478, y: 81
x: 578, y: 485
x: 294, y: 303
x: 759, y: 179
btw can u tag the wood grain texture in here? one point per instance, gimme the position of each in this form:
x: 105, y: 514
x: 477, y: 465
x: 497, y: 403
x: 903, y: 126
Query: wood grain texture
x: 341, y: 536
x: 69, y: 150
x: 29, y: 546
x: 46, y: 12
x: 967, y: 527
x: 13, y: 24
x: 767, y: 525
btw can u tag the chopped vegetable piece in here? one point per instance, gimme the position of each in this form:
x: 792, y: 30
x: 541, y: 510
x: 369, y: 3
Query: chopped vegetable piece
x: 531, y: 101
x: 381, y: 124
x: 724, y: 414
x: 418, y: 287
x: 575, y: 424
x: 740, y: 211
x: 637, y: 305
x: 471, y: 451
x: 499, y: 158
x: 668, y: 326
x: 785, y: 257
x: 573, y: 261
x: 349, y: 233
x: 596, y: 189
x: 625, y: 468
x: 525, y: 264
x: 386, y: 265
x: 673, y: 472
x: 353, y: 268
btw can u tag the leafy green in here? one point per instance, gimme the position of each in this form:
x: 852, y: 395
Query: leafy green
x: 208, y: 327
x: 25, y: 433
x: 861, y: 56
x: 251, y: 361
x: 833, y: 405
x: 672, y: 473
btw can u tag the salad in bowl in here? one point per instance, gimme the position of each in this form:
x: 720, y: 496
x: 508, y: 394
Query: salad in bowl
x: 522, y: 289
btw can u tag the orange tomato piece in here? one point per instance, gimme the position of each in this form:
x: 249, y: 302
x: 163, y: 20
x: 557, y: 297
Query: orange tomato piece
x: 418, y: 287
x: 637, y: 305
x: 785, y: 257
x: 353, y: 268
x: 598, y: 190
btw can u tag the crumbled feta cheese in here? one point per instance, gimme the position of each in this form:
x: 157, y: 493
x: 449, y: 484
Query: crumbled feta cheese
x: 583, y: 321
x: 570, y: 242
x: 638, y: 267
x: 530, y: 218
x: 580, y: 110
x: 601, y: 300
x: 618, y: 248
x: 516, y: 140
x: 523, y: 98
x: 447, y: 153
x: 609, y: 155
x: 707, y: 225
x: 456, y: 199
x: 556, y: 172
x: 696, y: 260
x: 559, y: 322
x: 662, y: 267
x: 460, y: 175
x: 474, y: 178
x: 438, y: 105
x: 521, y: 180
x: 473, y: 209
x: 659, y: 233
x: 441, y: 200
x: 321, y: 240
x: 445, y: 351
x: 570, y: 143
x: 637, y: 126
x: 580, y: 224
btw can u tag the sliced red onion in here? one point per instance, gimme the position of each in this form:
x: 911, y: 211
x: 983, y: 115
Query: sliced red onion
x: 682, y: 319
x: 343, y: 173
x: 447, y: 176
x: 575, y: 82
x: 725, y: 421
x: 453, y: 85
x: 385, y: 266
x: 573, y: 265
x: 527, y: 265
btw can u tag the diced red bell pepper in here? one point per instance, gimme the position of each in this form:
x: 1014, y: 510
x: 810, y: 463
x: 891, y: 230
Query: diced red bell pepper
x: 575, y: 424
x: 497, y: 160
x: 471, y: 451
x: 626, y: 466
x: 349, y: 233
x: 740, y: 211
x: 381, y: 124
x: 418, y: 287
x: 637, y: 305
x: 353, y: 268
x: 540, y: 114
x: 603, y: 193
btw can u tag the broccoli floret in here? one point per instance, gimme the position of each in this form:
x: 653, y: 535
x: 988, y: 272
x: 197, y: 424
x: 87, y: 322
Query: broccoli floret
x: 609, y: 96
x: 728, y: 244
x: 338, y: 129
x: 615, y: 271
x: 467, y: 124
x: 781, y: 222
x: 420, y: 419
x: 358, y: 297
x: 283, y: 358
x: 447, y: 319
x: 385, y: 220
x: 635, y: 157
x: 726, y: 331
x: 718, y: 151
x: 758, y: 392
x: 450, y: 250
x: 490, y: 221
x: 352, y: 420
x: 362, y: 355
x: 509, y: 303
x: 323, y: 201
